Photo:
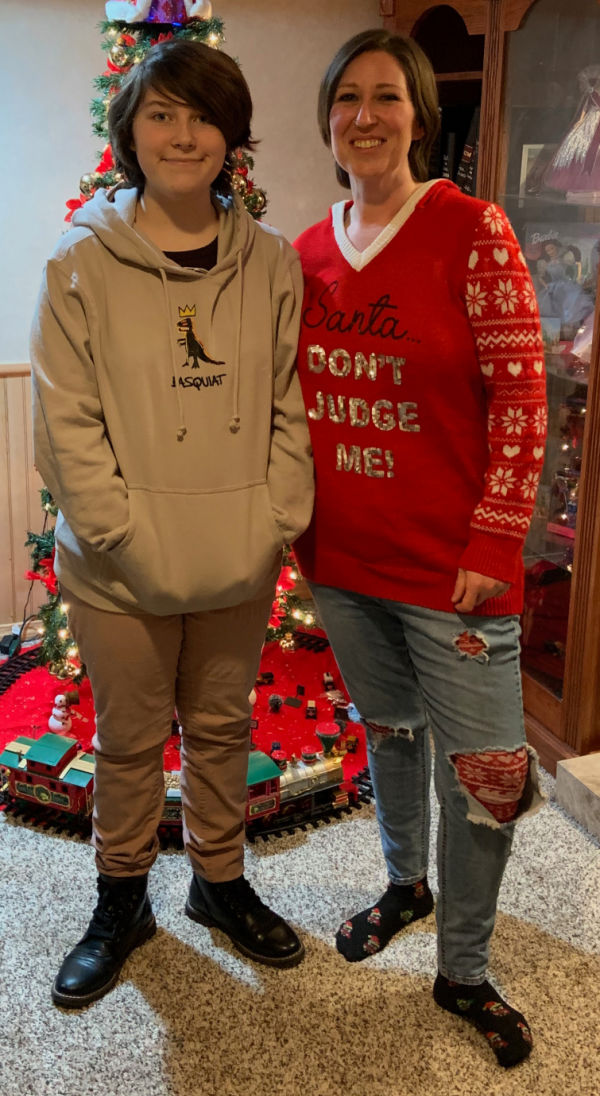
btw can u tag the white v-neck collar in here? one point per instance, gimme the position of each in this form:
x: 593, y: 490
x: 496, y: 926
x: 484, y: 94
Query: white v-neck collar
x: 359, y: 259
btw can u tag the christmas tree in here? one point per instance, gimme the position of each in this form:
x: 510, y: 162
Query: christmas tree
x: 131, y: 29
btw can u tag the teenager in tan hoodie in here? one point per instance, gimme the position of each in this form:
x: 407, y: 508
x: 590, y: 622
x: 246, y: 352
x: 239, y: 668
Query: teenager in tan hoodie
x: 170, y: 429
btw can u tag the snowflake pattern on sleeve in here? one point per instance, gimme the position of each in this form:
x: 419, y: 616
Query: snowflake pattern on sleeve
x: 503, y: 313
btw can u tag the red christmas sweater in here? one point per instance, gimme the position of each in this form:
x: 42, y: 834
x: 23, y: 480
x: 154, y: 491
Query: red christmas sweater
x: 422, y: 368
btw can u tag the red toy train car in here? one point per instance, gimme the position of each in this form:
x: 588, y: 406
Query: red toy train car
x: 51, y: 771
x: 54, y: 773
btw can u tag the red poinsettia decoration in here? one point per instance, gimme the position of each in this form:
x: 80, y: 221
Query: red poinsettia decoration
x: 276, y: 615
x: 45, y: 573
x: 286, y: 580
x: 161, y: 38
x: 107, y: 162
x: 73, y: 204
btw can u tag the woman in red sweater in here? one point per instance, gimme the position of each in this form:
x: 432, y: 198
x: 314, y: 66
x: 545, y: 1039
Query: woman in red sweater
x: 422, y: 368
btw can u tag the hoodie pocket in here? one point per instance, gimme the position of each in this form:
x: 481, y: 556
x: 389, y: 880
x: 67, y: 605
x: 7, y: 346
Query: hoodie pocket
x: 185, y: 552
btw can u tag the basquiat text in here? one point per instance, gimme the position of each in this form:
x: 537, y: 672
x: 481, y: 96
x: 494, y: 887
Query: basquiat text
x: 198, y: 382
x: 358, y: 412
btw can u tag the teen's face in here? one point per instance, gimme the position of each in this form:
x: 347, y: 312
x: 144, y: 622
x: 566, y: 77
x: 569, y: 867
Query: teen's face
x: 372, y: 120
x: 178, y: 149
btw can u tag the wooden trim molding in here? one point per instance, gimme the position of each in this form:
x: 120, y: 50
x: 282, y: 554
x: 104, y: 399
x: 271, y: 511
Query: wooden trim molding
x: 547, y: 707
x: 514, y: 12
x: 402, y: 16
x: 582, y: 670
x: 491, y: 103
x: 549, y: 748
x: 15, y: 369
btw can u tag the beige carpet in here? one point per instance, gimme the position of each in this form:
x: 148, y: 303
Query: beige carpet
x: 190, y: 1017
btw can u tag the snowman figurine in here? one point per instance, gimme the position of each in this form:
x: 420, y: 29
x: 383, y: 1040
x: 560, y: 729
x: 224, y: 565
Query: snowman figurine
x: 60, y: 720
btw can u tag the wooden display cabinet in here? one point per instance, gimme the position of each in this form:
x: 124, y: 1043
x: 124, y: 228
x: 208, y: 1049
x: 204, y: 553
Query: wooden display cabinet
x: 530, y: 67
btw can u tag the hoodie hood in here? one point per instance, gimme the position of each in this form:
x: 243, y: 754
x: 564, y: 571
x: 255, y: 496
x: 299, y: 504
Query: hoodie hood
x: 110, y: 215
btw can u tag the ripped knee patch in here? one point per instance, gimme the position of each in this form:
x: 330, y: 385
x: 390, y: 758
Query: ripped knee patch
x: 495, y: 779
x: 472, y: 644
x: 384, y: 731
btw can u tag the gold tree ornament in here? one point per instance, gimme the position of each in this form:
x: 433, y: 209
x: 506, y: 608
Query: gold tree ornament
x: 86, y: 185
x: 240, y: 184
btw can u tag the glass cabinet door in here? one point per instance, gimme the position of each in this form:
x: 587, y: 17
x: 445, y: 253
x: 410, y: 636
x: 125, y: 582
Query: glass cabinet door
x: 550, y: 189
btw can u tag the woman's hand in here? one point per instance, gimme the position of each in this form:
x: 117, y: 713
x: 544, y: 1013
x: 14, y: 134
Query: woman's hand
x: 471, y: 589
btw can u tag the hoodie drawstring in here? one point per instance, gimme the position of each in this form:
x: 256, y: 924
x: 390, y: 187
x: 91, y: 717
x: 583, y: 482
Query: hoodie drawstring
x: 234, y: 422
x: 182, y: 428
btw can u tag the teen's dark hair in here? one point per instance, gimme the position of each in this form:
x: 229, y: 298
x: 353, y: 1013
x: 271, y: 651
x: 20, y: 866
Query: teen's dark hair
x: 192, y: 73
x: 420, y: 81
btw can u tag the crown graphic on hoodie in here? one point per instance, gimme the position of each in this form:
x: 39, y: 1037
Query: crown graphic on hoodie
x: 188, y: 310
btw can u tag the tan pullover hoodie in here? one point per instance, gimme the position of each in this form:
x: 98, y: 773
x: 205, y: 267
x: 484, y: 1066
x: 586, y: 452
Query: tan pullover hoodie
x: 168, y: 419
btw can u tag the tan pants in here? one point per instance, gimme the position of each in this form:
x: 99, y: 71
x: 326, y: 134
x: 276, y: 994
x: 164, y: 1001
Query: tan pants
x: 141, y: 668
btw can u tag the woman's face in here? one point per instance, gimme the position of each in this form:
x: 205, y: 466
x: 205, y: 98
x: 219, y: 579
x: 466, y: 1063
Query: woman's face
x: 372, y: 120
x: 178, y: 149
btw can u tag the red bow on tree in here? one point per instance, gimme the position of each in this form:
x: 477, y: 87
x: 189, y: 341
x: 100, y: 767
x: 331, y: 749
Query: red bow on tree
x: 73, y: 204
x: 45, y: 573
x: 107, y: 162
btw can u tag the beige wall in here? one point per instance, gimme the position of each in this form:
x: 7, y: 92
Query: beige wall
x: 46, y: 86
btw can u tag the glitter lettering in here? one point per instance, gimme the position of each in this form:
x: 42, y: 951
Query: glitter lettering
x: 360, y: 414
x: 406, y: 418
x: 341, y: 409
x: 316, y: 413
x: 340, y: 363
x: 348, y: 460
x: 373, y: 458
x: 383, y: 417
x: 396, y: 364
x: 318, y: 365
x: 335, y: 368
x: 361, y: 365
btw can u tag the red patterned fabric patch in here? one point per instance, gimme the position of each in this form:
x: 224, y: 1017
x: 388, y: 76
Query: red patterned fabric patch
x: 472, y: 645
x: 496, y: 779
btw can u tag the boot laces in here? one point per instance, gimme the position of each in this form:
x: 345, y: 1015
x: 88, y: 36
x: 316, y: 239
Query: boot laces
x: 241, y: 897
x: 114, y: 911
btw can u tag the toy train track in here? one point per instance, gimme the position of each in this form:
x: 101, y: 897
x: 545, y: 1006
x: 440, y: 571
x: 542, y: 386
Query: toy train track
x: 48, y: 783
x: 44, y: 820
x: 16, y: 666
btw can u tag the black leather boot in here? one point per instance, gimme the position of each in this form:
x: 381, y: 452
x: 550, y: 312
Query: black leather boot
x: 253, y: 928
x: 122, y: 920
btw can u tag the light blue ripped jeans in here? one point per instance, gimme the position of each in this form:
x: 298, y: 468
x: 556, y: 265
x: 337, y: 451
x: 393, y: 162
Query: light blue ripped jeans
x: 409, y: 670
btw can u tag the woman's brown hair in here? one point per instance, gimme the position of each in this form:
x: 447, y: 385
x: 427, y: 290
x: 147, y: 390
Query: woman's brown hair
x: 420, y: 81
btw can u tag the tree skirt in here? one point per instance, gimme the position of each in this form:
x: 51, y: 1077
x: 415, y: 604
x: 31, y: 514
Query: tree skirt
x: 297, y: 678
